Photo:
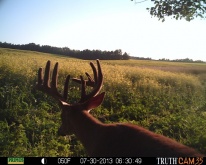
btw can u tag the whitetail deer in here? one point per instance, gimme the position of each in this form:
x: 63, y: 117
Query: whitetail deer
x: 101, y: 139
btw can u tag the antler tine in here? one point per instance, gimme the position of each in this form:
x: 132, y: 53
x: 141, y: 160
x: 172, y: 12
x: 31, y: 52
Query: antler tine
x: 55, y: 76
x: 90, y: 82
x: 83, y: 91
x: 47, y: 74
x: 97, y: 83
x: 44, y: 83
x: 66, y: 87
x: 40, y: 76
x: 95, y: 70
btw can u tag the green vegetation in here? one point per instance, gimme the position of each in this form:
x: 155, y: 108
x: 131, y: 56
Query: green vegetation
x: 164, y: 97
x: 178, y: 9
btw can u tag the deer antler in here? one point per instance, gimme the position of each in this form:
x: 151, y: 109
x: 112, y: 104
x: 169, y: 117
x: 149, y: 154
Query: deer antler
x: 90, y: 82
x: 96, y: 83
x: 51, y: 89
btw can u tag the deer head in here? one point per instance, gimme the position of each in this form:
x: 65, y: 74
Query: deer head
x: 86, y: 102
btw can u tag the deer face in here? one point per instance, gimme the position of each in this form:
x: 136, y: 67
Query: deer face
x: 71, y: 112
x: 66, y: 127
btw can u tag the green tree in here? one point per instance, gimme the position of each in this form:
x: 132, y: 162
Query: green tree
x: 178, y: 9
x: 125, y: 56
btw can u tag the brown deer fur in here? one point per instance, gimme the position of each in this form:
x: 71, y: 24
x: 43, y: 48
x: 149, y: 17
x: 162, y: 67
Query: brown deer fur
x: 115, y: 140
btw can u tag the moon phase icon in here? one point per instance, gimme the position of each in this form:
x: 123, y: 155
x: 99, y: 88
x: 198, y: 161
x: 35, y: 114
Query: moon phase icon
x: 43, y: 161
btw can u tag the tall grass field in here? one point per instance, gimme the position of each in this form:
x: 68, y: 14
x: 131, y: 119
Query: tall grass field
x: 168, y: 98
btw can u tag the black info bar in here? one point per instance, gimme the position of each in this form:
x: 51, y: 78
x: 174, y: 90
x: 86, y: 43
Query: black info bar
x: 103, y: 160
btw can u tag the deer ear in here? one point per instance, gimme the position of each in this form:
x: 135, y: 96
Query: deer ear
x: 94, y: 101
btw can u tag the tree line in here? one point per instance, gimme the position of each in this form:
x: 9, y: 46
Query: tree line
x: 84, y: 54
x: 182, y: 60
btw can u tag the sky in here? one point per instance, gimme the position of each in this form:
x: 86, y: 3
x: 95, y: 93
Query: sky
x: 101, y: 24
